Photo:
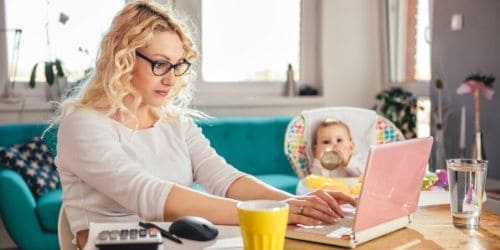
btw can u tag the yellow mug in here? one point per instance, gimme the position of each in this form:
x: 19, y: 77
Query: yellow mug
x: 263, y: 224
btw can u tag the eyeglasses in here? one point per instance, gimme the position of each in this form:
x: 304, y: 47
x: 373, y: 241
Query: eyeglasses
x: 161, y: 68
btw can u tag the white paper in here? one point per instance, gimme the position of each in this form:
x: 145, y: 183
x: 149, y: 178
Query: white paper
x: 229, y: 237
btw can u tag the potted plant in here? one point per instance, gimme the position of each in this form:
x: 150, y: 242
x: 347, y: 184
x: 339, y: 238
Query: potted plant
x: 400, y: 107
x: 54, y: 77
x: 54, y: 73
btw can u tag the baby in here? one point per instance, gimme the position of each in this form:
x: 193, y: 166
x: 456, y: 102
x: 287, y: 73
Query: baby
x: 335, y: 135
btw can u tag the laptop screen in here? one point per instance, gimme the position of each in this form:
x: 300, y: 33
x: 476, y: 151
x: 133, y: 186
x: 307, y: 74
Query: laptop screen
x: 393, y: 178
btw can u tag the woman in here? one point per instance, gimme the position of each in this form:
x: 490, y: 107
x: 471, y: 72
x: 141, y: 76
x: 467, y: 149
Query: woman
x: 127, y: 148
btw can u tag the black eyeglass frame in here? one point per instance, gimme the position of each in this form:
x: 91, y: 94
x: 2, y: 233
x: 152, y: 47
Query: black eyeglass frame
x: 172, y: 66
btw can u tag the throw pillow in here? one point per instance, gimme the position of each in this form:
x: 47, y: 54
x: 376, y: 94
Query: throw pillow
x: 34, y: 162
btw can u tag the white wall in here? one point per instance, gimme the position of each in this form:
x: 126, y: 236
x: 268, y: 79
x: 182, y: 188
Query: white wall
x: 351, y: 52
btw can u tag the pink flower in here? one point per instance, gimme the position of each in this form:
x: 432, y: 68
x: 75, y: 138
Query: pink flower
x: 471, y: 86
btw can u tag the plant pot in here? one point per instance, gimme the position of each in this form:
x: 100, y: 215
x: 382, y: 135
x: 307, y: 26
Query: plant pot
x: 57, y: 90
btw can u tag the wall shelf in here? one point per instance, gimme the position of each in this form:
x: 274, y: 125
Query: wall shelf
x: 259, y: 101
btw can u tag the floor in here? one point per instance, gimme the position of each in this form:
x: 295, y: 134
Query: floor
x: 5, y: 240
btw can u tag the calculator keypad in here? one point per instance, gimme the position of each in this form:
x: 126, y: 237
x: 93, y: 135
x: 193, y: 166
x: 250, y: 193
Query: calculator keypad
x: 129, y: 237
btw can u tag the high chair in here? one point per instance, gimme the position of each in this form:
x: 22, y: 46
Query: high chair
x: 367, y: 127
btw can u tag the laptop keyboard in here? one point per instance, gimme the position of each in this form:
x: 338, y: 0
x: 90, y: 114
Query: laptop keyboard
x: 335, y: 230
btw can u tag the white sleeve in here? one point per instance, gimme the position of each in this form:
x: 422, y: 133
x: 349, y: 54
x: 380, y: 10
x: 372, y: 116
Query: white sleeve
x: 210, y: 170
x: 89, y: 147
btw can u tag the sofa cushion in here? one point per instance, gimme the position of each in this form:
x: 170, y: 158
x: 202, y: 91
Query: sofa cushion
x: 47, y: 209
x: 254, y: 146
x: 283, y: 182
x: 34, y: 162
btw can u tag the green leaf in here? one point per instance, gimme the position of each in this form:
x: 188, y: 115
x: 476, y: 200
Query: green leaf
x: 49, y: 73
x: 60, y: 71
x: 33, y: 76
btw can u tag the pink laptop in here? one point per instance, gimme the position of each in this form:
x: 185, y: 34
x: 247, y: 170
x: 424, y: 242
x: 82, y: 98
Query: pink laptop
x: 389, y: 196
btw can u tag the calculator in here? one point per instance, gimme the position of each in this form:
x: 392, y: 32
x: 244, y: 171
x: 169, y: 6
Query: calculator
x: 129, y: 238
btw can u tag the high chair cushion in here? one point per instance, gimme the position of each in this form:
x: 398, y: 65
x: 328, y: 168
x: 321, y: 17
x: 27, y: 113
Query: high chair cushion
x: 361, y: 123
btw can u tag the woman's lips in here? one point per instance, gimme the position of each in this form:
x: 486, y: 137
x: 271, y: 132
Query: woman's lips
x: 162, y: 92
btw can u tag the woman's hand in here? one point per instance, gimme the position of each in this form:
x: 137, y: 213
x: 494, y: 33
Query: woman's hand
x: 317, y: 207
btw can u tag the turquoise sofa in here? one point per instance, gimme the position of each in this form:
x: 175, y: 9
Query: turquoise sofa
x: 30, y: 222
x: 253, y: 145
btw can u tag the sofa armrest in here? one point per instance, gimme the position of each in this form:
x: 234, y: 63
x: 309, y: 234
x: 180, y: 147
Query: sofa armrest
x: 17, y: 208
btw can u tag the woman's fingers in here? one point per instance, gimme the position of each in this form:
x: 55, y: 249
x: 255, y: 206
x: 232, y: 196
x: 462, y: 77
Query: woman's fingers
x: 331, y: 201
x: 301, y: 219
x: 334, y: 200
x: 343, y: 198
x: 310, y: 210
x: 318, y: 206
x: 302, y: 213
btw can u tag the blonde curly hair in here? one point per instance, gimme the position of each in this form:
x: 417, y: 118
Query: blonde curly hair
x: 110, y: 83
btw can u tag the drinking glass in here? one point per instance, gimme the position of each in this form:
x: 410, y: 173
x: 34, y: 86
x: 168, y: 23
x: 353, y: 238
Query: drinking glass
x: 466, y: 178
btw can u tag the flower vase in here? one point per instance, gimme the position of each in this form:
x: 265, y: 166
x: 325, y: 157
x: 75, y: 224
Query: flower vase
x: 478, y: 151
x: 52, y: 92
x: 439, y: 161
x: 57, y: 90
x: 62, y: 81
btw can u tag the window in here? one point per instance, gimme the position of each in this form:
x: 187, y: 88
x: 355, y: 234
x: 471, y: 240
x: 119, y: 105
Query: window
x: 253, y: 41
x: 68, y: 30
x: 250, y: 40
x: 408, y: 25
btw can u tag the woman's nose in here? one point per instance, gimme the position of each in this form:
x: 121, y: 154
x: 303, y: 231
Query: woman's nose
x: 168, y: 78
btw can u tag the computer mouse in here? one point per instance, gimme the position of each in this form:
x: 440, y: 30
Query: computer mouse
x: 194, y: 228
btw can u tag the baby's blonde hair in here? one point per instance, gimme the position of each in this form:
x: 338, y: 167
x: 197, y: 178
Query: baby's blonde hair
x: 110, y: 83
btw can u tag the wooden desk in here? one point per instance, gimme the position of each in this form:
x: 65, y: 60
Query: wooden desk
x: 431, y: 229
